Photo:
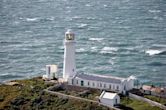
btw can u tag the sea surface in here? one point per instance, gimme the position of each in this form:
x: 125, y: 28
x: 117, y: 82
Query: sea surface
x: 114, y: 37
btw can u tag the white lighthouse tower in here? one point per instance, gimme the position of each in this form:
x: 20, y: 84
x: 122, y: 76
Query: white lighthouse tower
x: 69, y: 66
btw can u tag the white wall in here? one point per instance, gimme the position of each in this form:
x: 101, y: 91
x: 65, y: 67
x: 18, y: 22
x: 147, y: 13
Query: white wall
x: 99, y: 85
x: 106, y: 102
x: 69, y: 66
x: 110, y: 102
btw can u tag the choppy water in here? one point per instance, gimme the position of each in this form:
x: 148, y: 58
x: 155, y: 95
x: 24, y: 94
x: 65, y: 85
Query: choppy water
x: 117, y: 37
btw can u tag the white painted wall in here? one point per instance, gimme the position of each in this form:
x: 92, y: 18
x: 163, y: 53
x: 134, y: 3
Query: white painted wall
x: 69, y: 66
x: 51, y: 71
x: 110, y: 102
x: 97, y: 84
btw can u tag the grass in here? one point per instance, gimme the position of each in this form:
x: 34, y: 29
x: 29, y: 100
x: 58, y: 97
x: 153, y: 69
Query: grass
x: 28, y: 95
x: 155, y: 98
x: 133, y: 104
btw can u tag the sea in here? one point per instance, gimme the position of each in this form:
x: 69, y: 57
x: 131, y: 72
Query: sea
x: 113, y: 37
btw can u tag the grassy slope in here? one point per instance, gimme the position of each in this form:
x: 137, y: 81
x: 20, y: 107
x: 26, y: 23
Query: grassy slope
x: 29, y: 96
x: 157, y: 99
x: 137, y: 105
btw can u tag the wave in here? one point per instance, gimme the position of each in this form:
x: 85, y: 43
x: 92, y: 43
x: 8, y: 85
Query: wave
x: 80, y: 50
x: 88, y: 5
x: 31, y: 19
x: 154, y: 11
x: 76, y: 17
x: 154, y: 52
x: 82, y: 26
x: 108, y: 50
x: 93, y: 49
x: 96, y: 39
x: 90, y: 18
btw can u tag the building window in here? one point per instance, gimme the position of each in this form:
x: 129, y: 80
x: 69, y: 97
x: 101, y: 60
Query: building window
x: 110, y: 86
x: 104, y: 85
x: 88, y: 83
x: 49, y: 70
x: 117, y: 87
x: 82, y: 83
x: 77, y: 81
x: 93, y: 84
x: 100, y: 85
x: 113, y: 87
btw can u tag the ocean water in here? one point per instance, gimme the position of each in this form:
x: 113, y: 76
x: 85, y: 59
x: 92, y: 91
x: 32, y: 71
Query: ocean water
x: 115, y: 37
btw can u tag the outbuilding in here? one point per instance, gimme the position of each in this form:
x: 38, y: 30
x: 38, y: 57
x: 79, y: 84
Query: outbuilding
x: 109, y: 99
x: 51, y: 72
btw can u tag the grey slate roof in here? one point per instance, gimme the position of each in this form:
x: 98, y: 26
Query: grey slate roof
x: 99, y: 78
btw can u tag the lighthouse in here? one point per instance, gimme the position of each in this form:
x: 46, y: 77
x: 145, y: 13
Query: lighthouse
x: 69, y: 66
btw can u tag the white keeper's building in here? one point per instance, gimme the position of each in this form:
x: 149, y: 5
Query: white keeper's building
x: 72, y: 77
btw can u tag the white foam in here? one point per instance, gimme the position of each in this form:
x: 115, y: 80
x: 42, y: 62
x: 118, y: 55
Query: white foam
x: 82, y: 25
x: 80, y: 50
x: 51, y: 18
x: 111, y: 62
x: 90, y: 18
x: 154, y: 11
x: 88, y: 5
x: 76, y: 17
x: 108, y: 50
x: 31, y: 19
x: 93, y: 49
x: 96, y: 39
x: 153, y: 52
x: 105, y: 5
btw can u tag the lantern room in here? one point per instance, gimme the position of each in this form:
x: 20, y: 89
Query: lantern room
x: 69, y: 35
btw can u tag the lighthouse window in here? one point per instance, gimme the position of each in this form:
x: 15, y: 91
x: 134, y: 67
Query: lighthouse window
x: 69, y: 37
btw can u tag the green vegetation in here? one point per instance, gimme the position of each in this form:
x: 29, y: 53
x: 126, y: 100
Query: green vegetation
x: 155, y: 98
x: 133, y: 104
x: 92, y: 94
x: 29, y: 95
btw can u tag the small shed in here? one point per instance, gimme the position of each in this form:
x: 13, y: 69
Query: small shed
x: 51, y: 72
x: 146, y: 89
x: 109, y: 99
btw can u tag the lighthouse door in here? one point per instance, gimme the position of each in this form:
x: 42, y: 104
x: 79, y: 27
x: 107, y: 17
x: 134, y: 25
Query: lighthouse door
x: 82, y: 83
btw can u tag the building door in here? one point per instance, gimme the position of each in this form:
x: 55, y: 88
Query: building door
x: 82, y: 83
x: 116, y: 101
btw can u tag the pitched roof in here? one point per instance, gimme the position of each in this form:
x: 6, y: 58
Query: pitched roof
x: 108, y: 95
x: 106, y: 79
x: 146, y: 87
